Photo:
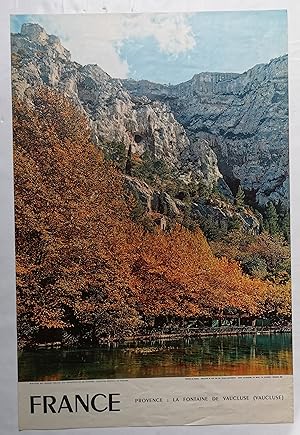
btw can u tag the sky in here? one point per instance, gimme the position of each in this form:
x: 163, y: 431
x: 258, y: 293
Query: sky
x: 168, y: 48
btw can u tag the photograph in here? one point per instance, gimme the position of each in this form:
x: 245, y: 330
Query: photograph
x: 151, y: 195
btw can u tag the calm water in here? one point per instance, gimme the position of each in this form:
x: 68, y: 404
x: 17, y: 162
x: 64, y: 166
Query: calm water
x: 207, y: 356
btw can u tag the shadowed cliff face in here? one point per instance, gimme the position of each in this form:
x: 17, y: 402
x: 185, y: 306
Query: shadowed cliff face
x: 225, y: 128
x: 243, y: 116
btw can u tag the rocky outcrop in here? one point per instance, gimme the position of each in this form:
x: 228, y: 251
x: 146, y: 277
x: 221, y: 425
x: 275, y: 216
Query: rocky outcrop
x: 153, y: 200
x: 223, y: 129
x: 116, y: 116
x: 220, y: 214
x: 225, y: 217
x: 243, y: 117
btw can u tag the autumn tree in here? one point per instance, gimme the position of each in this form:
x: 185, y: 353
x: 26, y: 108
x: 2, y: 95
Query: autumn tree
x: 74, y: 235
x: 179, y: 276
x: 85, y: 264
x: 262, y: 255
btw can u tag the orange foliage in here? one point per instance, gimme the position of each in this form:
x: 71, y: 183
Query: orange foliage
x: 74, y: 236
x: 178, y: 273
x: 82, y: 263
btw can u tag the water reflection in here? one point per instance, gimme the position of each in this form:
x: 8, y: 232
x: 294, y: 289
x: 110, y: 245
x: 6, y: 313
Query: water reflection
x: 207, y: 356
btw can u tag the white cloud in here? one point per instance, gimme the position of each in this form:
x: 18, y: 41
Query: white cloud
x: 98, y: 38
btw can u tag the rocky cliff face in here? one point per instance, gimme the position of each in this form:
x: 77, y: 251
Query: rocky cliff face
x: 225, y: 129
x: 116, y: 116
x: 243, y: 118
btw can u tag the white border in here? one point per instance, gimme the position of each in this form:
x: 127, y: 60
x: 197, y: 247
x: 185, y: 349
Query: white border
x: 8, y: 383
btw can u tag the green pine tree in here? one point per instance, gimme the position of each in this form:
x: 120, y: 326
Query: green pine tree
x: 285, y: 226
x: 271, y: 223
x: 239, y: 197
x: 283, y: 219
x: 115, y: 152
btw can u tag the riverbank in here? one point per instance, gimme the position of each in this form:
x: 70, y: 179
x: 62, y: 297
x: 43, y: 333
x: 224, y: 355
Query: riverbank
x: 207, y: 332
x: 157, y: 335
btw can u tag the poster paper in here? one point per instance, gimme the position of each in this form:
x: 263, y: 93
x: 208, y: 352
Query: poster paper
x: 152, y: 219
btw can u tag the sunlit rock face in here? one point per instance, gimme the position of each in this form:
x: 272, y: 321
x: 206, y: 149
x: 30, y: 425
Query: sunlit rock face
x: 226, y: 128
x: 139, y: 122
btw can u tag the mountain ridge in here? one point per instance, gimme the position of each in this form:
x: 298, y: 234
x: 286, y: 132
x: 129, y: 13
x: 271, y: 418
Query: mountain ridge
x: 249, y: 111
x: 211, y: 130
x: 114, y: 115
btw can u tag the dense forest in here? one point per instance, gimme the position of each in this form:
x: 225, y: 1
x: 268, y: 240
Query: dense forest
x: 94, y: 265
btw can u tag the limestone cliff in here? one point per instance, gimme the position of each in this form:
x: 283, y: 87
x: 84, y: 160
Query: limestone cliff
x: 244, y: 117
x: 116, y: 116
x: 224, y: 129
